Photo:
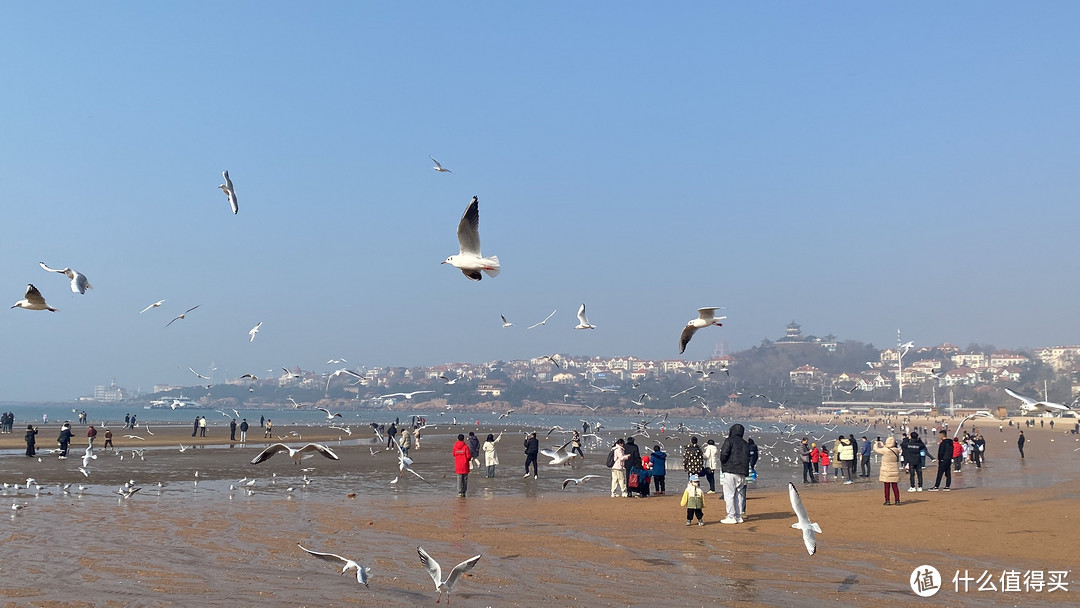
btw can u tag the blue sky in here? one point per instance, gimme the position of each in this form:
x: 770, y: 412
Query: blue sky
x: 857, y: 168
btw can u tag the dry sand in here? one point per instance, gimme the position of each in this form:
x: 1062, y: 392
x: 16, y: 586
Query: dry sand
x: 207, y: 545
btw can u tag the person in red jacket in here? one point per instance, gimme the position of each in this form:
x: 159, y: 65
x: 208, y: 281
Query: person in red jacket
x: 461, y: 465
x: 958, y: 454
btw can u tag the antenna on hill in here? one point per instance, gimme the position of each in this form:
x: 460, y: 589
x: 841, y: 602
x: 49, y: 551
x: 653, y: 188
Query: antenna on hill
x: 718, y: 349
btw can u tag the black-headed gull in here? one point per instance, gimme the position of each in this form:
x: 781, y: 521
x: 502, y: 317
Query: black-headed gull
x: 33, y: 300
x: 297, y: 454
x: 182, y: 315
x: 435, y: 571
x: 79, y: 284
x: 253, y: 331
x: 469, y: 260
x: 567, y: 482
x: 438, y: 166
x: 583, y: 321
x: 544, y: 322
x: 505, y: 322
x: 808, y: 528
x: 559, y: 456
x: 338, y: 373
x: 230, y: 192
x: 154, y: 305
x: 362, y: 573
x: 705, y: 318
x: 329, y: 415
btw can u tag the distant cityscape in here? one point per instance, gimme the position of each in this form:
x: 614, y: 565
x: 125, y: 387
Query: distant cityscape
x: 803, y: 370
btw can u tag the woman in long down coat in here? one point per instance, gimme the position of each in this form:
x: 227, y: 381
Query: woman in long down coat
x: 31, y: 440
x: 890, y: 467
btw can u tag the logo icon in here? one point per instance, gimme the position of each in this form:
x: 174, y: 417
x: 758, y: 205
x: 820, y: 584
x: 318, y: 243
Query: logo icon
x: 925, y: 581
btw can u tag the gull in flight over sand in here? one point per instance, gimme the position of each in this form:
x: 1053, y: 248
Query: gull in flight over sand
x: 406, y: 395
x: 79, y: 284
x: 583, y: 321
x: 578, y: 481
x: 808, y: 528
x: 435, y: 571
x: 438, y: 166
x: 182, y: 315
x: 338, y: 373
x: 404, y: 464
x: 329, y: 415
x: 227, y: 188
x: 505, y: 322
x: 705, y: 318
x: 154, y: 305
x: 33, y: 300
x: 297, y: 454
x: 469, y: 260
x: 254, y: 330
x: 544, y: 322
x: 559, y: 456
x: 362, y: 573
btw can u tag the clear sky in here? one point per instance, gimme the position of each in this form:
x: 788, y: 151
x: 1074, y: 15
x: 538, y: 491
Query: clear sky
x: 852, y: 166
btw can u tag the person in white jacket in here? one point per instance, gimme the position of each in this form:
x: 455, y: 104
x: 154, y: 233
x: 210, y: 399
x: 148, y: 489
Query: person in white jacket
x: 490, y: 457
x: 618, y: 472
x: 711, y: 456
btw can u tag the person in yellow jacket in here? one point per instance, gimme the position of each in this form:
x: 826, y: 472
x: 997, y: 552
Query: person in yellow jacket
x: 694, y: 501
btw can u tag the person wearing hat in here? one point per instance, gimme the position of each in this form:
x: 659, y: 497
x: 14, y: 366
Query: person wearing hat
x: 64, y: 439
x: 532, y: 448
x: 694, y: 501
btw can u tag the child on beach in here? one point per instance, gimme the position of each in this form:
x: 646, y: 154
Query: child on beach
x: 694, y: 501
x: 825, y: 463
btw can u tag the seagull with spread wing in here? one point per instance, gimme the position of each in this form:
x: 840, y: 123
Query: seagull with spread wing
x: 704, y: 319
x: 362, y: 573
x: 435, y: 571
x: 230, y: 192
x: 808, y: 528
x: 544, y: 322
x: 296, y: 454
x: 79, y: 284
x: 33, y: 300
x: 469, y: 260
x: 182, y: 315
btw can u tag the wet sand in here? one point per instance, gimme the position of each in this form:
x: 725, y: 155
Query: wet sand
x: 207, y: 545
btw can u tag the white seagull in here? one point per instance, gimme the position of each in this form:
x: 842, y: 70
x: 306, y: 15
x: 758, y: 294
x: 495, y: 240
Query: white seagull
x: 505, y: 322
x: 578, y: 481
x: 329, y: 415
x: 79, y: 284
x: 33, y: 300
x: 405, y: 464
x: 544, y: 322
x: 338, y: 373
x: 197, y: 373
x: 583, y: 321
x: 297, y: 454
x: 406, y: 395
x: 362, y: 573
x: 154, y: 305
x: 254, y: 330
x: 435, y: 571
x: 559, y: 456
x: 705, y: 319
x: 438, y: 166
x: 469, y: 260
x: 182, y: 315
x: 227, y: 188
x: 808, y: 528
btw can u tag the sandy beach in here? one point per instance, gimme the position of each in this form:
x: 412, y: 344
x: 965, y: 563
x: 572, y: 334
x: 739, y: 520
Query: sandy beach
x: 209, y: 545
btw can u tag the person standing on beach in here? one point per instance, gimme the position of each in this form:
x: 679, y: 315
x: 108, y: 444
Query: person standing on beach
x: 108, y: 440
x: 977, y: 448
x: 232, y: 430
x: 944, y: 464
x: 618, y: 472
x: 91, y: 435
x: 815, y: 459
x: 406, y: 439
x: 461, y: 465
x: 694, y: 501
x: 491, y: 459
x: 391, y: 435
x: 532, y: 448
x: 474, y: 450
x: 127, y: 420
x: 845, y: 457
x: 889, y: 472
x: 575, y: 444
x: 268, y: 432
x: 864, y: 451
x: 633, y: 461
x: 735, y: 465
x: 805, y: 455
x: 753, y: 459
x: 1020, y: 444
x: 64, y: 439
x: 824, y: 462
x: 913, y: 450
x: 243, y: 430
x: 659, y: 470
x: 711, y: 463
x: 195, y: 427
x: 693, y: 459
x: 31, y: 440
x: 202, y: 426
x: 133, y: 416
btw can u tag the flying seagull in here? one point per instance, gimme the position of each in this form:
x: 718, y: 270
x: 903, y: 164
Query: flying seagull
x: 329, y: 415
x: 227, y: 188
x: 808, y: 528
x: 406, y: 395
x: 297, y: 454
x: 338, y: 373
x: 705, y: 319
x: 578, y: 481
x: 362, y: 573
x: 438, y: 166
x: 505, y: 322
x: 469, y: 260
x: 197, y: 373
x: 182, y: 315
x: 79, y: 284
x: 544, y: 322
x: 254, y: 330
x: 559, y: 456
x: 435, y: 571
x: 154, y: 305
x: 583, y: 321
x: 33, y: 300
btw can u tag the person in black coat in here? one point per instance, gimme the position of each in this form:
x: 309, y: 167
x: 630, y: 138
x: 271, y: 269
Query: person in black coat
x: 232, y: 430
x: 64, y: 439
x: 944, y: 461
x: 913, y: 449
x: 633, y: 461
x: 753, y: 458
x: 31, y: 440
x: 735, y: 463
x: 532, y: 448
